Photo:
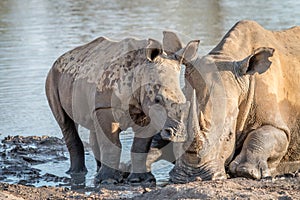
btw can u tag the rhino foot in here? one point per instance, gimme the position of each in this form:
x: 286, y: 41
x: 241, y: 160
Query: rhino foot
x: 136, y: 179
x: 107, y: 175
x: 261, y: 153
x: 77, y: 170
x: 254, y: 170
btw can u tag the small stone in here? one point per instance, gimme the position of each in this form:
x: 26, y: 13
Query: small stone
x: 147, y: 190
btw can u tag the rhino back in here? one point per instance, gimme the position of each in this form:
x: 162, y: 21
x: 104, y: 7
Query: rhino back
x: 100, y: 59
x: 290, y: 88
x: 87, y: 76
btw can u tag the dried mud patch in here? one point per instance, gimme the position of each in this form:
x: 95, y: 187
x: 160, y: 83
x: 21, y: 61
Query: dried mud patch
x: 237, y: 188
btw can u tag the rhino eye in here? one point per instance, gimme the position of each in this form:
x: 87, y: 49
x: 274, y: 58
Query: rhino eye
x: 176, y: 57
x: 159, y: 99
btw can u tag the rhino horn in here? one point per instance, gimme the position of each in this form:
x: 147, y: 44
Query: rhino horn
x: 193, y: 128
x: 205, y: 124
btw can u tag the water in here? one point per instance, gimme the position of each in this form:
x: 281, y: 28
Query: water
x: 34, y: 33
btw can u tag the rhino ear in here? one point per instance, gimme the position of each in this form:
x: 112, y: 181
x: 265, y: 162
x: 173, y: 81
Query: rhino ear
x: 189, y: 52
x: 153, y: 49
x: 257, y: 62
x: 171, y: 42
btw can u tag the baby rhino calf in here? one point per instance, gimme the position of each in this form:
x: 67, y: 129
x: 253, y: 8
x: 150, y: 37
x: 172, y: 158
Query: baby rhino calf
x: 106, y: 87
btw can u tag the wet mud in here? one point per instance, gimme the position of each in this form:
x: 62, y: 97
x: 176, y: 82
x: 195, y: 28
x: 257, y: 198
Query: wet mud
x: 19, y: 155
x: 19, y: 176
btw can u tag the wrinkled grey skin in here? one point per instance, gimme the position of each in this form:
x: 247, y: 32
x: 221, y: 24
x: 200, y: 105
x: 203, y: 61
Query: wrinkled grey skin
x: 161, y: 146
x: 248, y: 120
x: 247, y: 117
x: 108, y: 86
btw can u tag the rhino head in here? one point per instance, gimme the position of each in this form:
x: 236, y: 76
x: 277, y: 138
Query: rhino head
x: 217, y: 114
x: 160, y: 95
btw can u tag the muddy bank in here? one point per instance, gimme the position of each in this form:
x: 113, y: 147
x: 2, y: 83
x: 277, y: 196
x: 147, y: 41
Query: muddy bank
x: 19, y: 175
x: 19, y: 156
x: 238, y: 188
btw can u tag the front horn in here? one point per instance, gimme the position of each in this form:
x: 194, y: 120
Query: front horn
x: 195, y: 136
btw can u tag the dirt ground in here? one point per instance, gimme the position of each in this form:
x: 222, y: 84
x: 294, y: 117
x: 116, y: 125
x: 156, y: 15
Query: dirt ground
x: 282, y: 188
x: 18, y: 156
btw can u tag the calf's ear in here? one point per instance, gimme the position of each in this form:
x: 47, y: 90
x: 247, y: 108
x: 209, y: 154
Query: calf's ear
x: 171, y: 42
x: 257, y: 62
x: 153, y: 49
x: 188, y: 53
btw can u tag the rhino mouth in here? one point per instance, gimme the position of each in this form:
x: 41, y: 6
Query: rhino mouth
x: 173, y: 131
x: 183, y: 173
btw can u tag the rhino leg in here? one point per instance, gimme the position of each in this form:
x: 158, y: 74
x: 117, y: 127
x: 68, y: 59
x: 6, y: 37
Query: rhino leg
x: 139, y: 151
x: 74, y: 145
x: 160, y: 150
x: 261, y: 153
x: 107, y: 136
x: 95, y: 148
x: 153, y: 156
x: 67, y: 126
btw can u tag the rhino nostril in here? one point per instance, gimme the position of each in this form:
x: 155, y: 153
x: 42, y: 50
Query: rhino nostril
x: 159, y: 99
x: 167, y: 134
x: 170, y: 132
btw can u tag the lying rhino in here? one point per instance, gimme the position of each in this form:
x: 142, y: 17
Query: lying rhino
x: 248, y: 92
x: 108, y: 86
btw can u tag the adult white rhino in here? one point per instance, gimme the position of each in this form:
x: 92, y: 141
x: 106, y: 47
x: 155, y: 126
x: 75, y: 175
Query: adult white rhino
x: 248, y: 91
x: 108, y: 86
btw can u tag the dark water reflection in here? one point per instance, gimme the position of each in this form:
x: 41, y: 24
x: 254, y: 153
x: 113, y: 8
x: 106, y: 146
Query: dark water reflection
x: 34, y: 33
